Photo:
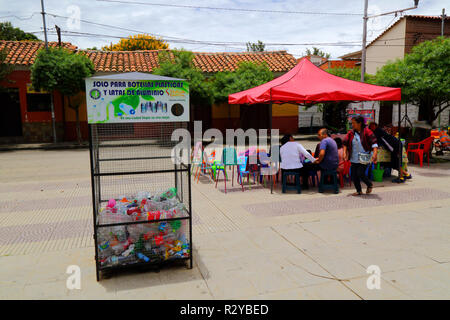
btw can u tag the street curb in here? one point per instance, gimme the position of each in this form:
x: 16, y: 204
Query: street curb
x: 44, y: 147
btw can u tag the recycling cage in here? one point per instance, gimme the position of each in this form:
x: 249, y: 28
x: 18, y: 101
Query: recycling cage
x: 128, y: 158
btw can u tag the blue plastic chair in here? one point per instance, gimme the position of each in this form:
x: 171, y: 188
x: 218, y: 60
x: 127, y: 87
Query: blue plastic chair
x: 243, y: 171
x: 325, y: 186
x: 285, y: 186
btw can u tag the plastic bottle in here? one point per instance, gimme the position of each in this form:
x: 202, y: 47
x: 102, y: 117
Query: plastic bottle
x: 127, y: 109
x: 169, y: 193
x: 142, y: 257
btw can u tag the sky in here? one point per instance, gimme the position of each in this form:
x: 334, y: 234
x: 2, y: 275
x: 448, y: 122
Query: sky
x: 335, y: 27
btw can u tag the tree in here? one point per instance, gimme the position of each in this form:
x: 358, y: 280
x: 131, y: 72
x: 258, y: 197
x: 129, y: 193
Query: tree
x: 334, y: 113
x: 424, y: 77
x: 8, y: 32
x: 138, y: 42
x: 256, y: 47
x: 316, y: 52
x: 5, y: 68
x: 179, y: 64
x: 62, y: 70
x: 351, y: 74
x: 246, y: 76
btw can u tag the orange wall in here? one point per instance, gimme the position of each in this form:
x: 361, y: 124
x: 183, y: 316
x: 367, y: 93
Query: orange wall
x: 225, y: 110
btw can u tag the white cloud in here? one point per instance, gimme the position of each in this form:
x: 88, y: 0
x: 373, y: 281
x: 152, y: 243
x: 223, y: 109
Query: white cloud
x: 217, y: 25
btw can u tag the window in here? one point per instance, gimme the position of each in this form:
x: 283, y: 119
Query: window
x: 38, y: 102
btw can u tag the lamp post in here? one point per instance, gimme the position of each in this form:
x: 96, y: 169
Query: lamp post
x: 364, y: 38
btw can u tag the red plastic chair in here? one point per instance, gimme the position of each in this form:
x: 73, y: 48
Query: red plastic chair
x: 345, y: 173
x: 421, y: 148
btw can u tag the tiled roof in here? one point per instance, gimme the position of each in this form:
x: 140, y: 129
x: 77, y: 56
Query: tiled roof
x: 147, y: 60
x: 24, y: 52
x: 124, y: 61
x: 277, y: 61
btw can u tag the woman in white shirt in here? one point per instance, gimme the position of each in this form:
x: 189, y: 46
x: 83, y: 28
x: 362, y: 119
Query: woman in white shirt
x: 290, y: 153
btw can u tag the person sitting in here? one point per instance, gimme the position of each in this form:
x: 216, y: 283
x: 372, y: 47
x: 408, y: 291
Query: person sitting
x: 340, y: 147
x: 290, y: 153
x: 328, y: 158
x: 443, y: 143
x: 392, y: 144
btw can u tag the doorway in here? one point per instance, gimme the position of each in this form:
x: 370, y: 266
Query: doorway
x: 255, y: 116
x: 385, y: 117
x: 11, y: 120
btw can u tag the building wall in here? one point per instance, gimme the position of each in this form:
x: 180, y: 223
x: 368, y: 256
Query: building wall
x: 36, y: 125
x: 285, y: 117
x: 70, y: 133
x: 388, y: 47
x: 419, y: 30
x: 225, y: 116
x: 330, y: 64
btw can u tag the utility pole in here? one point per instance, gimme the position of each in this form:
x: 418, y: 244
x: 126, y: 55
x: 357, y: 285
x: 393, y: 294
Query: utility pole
x: 58, y: 32
x: 364, y: 39
x: 45, y: 27
x: 51, y: 93
x: 442, y: 34
x: 443, y: 21
x: 365, y: 18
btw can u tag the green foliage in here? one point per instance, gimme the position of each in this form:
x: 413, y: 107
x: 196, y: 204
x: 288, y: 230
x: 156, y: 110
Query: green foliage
x: 316, y: 52
x: 8, y: 32
x: 351, y: 74
x: 179, y: 64
x: 246, y: 76
x: 256, y: 47
x: 335, y: 112
x: 5, y: 68
x: 62, y: 70
x: 423, y: 75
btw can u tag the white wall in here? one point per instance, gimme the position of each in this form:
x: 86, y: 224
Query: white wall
x: 304, y: 117
x: 388, y: 47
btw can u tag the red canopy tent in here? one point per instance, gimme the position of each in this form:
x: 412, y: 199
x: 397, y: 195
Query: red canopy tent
x: 306, y: 83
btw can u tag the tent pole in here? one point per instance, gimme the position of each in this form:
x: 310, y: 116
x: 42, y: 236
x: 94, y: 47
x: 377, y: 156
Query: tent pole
x: 270, y: 140
x: 400, y: 142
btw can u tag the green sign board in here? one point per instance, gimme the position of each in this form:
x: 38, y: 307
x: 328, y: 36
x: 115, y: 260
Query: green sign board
x: 136, y: 97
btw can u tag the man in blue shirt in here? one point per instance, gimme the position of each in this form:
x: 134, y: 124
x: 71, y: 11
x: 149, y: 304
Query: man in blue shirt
x: 328, y: 155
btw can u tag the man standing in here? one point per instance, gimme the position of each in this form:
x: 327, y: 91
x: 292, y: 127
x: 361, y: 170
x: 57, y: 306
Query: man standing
x: 328, y: 158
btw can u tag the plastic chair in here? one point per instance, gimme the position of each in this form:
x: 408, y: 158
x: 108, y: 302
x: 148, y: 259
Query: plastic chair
x: 333, y: 186
x: 285, y: 186
x: 421, y: 148
x: 217, y: 168
x: 345, y: 174
x: 243, y: 171
x: 197, y: 160
x: 229, y: 158
x: 265, y: 168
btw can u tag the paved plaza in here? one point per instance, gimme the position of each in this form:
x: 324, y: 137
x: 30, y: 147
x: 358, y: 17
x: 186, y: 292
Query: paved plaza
x: 247, y: 245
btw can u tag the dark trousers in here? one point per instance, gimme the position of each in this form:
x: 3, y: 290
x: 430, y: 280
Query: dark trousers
x: 358, y: 174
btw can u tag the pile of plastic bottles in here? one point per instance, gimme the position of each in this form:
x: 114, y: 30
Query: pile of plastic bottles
x: 143, y: 242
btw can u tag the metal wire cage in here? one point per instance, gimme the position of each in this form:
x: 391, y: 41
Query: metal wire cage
x: 141, y: 197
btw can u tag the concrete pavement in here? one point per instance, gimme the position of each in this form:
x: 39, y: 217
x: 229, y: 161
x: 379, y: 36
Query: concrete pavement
x: 250, y: 245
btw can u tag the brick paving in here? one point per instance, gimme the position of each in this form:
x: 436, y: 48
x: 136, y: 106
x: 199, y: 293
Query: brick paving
x: 342, y: 202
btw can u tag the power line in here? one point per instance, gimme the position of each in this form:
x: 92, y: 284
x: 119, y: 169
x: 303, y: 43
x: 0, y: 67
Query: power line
x: 231, y: 9
x: 219, y: 43
x: 20, y: 18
